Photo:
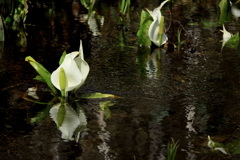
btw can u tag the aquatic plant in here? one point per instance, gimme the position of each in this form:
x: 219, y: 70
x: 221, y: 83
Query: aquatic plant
x: 179, y: 40
x: 150, y: 29
x: 215, y: 146
x: 70, y: 75
x: 124, y: 10
x: 154, y: 28
x: 225, y: 11
x: 72, y: 72
x: 229, y: 40
x: 172, y: 149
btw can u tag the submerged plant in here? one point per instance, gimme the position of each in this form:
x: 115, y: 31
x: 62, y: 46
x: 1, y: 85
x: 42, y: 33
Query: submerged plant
x: 172, y: 150
x: 153, y: 31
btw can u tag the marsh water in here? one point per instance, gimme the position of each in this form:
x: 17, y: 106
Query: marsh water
x: 185, y: 95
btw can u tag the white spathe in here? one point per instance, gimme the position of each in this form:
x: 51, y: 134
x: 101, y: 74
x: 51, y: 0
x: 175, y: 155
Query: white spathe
x: 226, y: 36
x: 76, y: 70
x: 153, y: 31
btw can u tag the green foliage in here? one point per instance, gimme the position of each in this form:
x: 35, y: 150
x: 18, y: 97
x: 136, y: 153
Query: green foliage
x: 62, y: 57
x: 97, y: 95
x: 179, y: 40
x: 233, y: 42
x: 42, y: 72
x: 41, y: 116
x: 39, y: 78
x: 234, y: 146
x: 104, y: 105
x: 225, y: 10
x: 145, y: 22
x: 172, y: 150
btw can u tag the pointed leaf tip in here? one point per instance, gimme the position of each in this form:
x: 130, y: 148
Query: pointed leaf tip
x: 29, y: 59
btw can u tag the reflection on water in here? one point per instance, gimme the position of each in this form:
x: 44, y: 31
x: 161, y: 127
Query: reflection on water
x: 69, y: 121
x: 185, y: 96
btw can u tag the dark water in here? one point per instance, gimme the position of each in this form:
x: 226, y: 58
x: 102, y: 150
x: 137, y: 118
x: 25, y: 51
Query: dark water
x: 185, y: 96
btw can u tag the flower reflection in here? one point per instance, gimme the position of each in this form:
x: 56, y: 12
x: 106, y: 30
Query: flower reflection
x: 70, y: 122
x: 154, y: 64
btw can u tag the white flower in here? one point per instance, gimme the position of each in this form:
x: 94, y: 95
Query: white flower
x: 226, y: 36
x: 76, y: 70
x: 153, y: 31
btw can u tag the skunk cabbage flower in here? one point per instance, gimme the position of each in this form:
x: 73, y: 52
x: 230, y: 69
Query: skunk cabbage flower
x: 226, y: 36
x: 153, y: 31
x: 75, y: 70
x: 216, y: 146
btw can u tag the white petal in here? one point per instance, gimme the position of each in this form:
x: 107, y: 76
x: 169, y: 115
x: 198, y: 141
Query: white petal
x: 73, y: 74
x: 153, y: 31
x: 84, y: 69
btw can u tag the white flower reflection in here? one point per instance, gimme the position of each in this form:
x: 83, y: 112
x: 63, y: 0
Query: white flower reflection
x: 73, y: 122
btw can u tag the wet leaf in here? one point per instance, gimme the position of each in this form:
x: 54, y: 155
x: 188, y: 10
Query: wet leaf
x: 62, y: 57
x: 106, y: 104
x: 98, y: 95
x: 39, y: 78
x: 107, y: 113
x: 233, y: 42
x: 42, y: 72
x: 234, y: 146
x: 143, y: 38
x: 41, y: 116
x: 225, y: 10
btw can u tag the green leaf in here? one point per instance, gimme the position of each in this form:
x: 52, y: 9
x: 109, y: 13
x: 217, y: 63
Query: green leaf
x: 39, y: 78
x: 225, y: 11
x: 143, y: 38
x: 233, y: 42
x: 107, y: 113
x: 106, y: 104
x: 62, y: 57
x: 61, y: 115
x: 234, y: 146
x: 42, y: 72
x: 97, y: 95
x: 41, y: 116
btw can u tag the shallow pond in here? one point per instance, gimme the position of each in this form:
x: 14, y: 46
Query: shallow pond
x: 186, y: 95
